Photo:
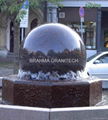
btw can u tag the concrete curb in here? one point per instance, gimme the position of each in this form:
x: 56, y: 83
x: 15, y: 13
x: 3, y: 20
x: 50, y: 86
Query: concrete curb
x: 8, y: 112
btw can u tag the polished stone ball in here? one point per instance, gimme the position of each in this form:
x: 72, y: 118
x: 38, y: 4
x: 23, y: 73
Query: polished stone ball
x: 53, y: 47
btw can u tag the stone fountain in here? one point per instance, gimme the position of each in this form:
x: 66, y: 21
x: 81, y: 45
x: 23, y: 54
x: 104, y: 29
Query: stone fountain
x: 51, y: 72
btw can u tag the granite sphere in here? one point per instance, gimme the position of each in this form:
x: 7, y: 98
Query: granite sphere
x: 53, y: 47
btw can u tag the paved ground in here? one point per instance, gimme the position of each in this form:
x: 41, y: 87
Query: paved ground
x: 5, y: 71
x: 6, y: 68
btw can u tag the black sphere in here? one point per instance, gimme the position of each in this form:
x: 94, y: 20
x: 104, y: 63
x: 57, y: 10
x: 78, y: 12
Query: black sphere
x: 53, y: 47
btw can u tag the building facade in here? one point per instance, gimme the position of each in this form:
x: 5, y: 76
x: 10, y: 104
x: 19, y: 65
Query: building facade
x: 94, y: 25
x: 10, y: 35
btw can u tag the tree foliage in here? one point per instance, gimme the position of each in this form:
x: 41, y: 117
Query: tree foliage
x: 92, y: 5
x: 12, y: 7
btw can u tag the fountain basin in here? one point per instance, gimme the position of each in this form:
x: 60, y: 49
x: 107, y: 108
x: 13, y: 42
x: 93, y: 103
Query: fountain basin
x: 51, y: 72
x: 51, y: 94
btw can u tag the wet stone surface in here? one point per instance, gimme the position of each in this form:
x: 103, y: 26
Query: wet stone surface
x: 61, y: 62
x: 53, y: 48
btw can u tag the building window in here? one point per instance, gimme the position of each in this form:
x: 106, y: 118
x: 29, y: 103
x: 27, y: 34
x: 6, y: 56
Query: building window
x: 34, y: 23
x: 72, y: 19
x: 89, y: 33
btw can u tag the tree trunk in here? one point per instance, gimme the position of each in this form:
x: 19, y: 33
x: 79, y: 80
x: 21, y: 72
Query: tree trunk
x: 16, y: 47
x: 3, y: 30
x: 16, y: 38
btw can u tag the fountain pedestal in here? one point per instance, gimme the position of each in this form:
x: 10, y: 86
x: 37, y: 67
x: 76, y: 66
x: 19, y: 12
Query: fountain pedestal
x: 51, y: 94
x: 52, y: 59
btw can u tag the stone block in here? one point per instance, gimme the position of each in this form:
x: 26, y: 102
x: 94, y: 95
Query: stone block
x: 51, y: 94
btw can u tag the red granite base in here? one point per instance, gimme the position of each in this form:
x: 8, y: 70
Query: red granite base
x: 51, y: 94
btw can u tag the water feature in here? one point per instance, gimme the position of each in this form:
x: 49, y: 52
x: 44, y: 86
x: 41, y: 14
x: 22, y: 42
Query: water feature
x: 51, y: 72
